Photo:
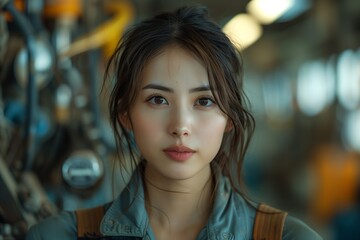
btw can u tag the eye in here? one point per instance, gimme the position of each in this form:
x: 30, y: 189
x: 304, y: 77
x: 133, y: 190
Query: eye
x: 205, y: 102
x: 157, y: 100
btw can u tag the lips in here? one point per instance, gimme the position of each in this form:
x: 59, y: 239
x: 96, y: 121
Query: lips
x: 179, y: 153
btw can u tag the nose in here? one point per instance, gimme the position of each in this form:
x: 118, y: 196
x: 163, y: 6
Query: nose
x: 180, y: 123
x: 179, y: 132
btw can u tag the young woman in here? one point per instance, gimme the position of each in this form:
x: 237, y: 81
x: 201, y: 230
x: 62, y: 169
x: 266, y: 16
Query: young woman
x: 178, y: 110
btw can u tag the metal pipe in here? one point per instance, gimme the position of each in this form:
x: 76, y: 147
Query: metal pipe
x: 31, y: 91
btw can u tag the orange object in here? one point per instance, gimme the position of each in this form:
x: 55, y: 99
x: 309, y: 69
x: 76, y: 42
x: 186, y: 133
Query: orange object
x: 58, y: 8
x: 19, y: 5
x: 337, y: 180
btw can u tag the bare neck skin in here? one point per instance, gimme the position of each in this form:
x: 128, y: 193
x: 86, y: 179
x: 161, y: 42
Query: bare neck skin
x: 178, y: 209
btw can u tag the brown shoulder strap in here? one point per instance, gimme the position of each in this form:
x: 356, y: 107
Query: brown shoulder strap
x: 269, y: 223
x: 88, y: 221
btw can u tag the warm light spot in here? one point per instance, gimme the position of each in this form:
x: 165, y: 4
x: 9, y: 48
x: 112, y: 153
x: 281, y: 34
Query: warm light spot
x: 243, y: 30
x: 267, y: 11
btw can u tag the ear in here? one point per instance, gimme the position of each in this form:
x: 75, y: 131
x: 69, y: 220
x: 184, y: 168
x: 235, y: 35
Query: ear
x: 229, y: 125
x: 125, y: 121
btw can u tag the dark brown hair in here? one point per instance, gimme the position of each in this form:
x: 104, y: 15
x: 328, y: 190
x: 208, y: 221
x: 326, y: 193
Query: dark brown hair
x: 191, y: 29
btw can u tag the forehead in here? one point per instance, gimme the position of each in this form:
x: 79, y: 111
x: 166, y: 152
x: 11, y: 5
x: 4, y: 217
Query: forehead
x: 175, y: 64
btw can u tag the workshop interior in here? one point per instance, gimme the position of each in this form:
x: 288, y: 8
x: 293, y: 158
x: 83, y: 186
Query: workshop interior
x: 301, y: 74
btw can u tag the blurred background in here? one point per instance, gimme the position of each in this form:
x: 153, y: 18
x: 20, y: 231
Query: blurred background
x: 302, y: 76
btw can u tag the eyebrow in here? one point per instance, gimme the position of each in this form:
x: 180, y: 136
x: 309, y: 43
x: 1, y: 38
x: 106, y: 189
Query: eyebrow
x: 166, y: 89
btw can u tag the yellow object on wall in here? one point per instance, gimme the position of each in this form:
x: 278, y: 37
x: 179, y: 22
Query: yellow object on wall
x: 108, y: 34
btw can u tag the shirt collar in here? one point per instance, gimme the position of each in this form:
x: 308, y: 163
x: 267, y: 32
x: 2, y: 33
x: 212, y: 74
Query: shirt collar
x: 127, y: 216
x: 232, y: 215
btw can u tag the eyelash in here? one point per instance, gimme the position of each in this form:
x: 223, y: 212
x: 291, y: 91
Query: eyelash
x: 152, y: 100
x: 212, y: 102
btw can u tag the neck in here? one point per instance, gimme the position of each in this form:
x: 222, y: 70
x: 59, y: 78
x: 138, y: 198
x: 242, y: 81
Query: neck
x: 179, y: 204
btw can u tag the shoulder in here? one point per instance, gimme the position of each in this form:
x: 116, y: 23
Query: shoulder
x: 61, y: 226
x: 295, y: 229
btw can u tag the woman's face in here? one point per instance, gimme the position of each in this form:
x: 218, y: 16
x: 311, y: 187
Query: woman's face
x: 177, y: 125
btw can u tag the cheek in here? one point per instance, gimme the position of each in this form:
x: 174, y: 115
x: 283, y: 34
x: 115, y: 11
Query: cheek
x: 211, y: 136
x: 212, y: 129
x: 146, y: 125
